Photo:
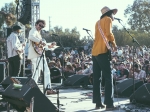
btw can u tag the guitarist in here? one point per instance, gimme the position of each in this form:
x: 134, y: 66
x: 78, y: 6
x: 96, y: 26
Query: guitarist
x: 101, y: 62
x: 35, y: 37
x: 14, y: 47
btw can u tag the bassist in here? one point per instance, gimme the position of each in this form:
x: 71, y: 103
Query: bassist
x: 14, y: 48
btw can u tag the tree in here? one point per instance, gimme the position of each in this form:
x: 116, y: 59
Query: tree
x: 139, y: 15
x: 66, y: 38
x: 8, y: 10
x: 123, y: 38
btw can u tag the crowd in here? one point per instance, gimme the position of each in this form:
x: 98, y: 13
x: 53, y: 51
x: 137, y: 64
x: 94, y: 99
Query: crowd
x: 73, y: 62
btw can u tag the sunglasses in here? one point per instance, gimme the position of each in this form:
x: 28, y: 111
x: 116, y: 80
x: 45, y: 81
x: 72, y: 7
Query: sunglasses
x: 41, y: 26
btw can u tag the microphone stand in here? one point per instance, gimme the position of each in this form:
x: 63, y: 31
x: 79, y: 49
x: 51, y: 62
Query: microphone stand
x: 89, y: 34
x: 134, y: 51
x: 62, y: 56
x: 42, y: 56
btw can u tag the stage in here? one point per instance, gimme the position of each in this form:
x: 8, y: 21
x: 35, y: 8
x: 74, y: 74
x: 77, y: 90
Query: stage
x: 79, y: 99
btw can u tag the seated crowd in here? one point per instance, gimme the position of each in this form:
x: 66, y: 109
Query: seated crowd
x: 73, y: 62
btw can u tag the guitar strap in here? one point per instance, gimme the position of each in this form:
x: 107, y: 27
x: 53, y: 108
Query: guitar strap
x: 103, y: 36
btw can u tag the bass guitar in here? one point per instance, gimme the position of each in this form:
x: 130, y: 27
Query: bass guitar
x: 21, y: 52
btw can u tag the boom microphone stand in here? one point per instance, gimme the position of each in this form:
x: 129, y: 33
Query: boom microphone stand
x: 42, y: 56
x: 62, y: 56
x: 89, y: 34
x: 133, y: 51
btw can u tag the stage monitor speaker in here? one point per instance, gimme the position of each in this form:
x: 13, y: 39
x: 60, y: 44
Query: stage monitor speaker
x: 25, y: 17
x: 20, y: 98
x: 2, y: 71
x: 23, y: 80
x: 125, y: 88
x: 76, y: 80
x: 142, y: 95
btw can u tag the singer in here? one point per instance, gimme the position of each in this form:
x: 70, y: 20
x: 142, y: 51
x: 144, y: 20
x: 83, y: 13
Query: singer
x: 101, y: 63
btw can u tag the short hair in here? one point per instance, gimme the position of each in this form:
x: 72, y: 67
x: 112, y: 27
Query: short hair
x: 16, y: 27
x: 136, y: 65
x: 146, y: 61
x: 122, y: 63
x: 40, y: 20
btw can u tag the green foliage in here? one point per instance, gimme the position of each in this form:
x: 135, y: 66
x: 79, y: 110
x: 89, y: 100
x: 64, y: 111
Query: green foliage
x: 123, y: 38
x: 9, y: 8
x: 139, y: 15
x: 66, y: 38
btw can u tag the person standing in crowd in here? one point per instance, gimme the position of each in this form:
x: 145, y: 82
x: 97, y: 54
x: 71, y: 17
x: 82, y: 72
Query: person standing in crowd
x: 14, y: 48
x: 124, y: 73
x: 101, y: 62
x: 35, y: 37
x: 139, y: 74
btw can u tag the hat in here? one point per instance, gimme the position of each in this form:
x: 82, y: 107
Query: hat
x: 16, y: 27
x: 51, y: 62
x: 106, y: 9
x: 68, y: 63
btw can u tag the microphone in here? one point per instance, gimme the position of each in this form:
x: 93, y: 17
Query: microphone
x: 54, y: 34
x: 117, y: 19
x: 86, y: 29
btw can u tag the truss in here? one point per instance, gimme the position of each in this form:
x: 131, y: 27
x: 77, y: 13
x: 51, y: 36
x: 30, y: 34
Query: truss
x: 35, y: 11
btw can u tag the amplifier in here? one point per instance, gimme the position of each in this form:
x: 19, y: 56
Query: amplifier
x: 23, y: 80
x: 2, y: 71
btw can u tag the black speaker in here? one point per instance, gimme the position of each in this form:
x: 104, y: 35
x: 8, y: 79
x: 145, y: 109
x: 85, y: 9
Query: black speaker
x: 2, y: 71
x: 21, y: 98
x: 125, y: 88
x: 23, y: 80
x: 25, y: 17
x: 76, y: 80
x: 55, y: 75
x: 142, y: 94
x: 9, y: 30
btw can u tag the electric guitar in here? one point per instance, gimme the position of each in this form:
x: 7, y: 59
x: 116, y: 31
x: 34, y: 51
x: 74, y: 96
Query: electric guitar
x: 38, y: 48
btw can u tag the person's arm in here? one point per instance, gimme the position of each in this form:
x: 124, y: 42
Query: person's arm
x: 126, y: 74
x: 123, y: 77
x: 109, y: 34
x: 33, y: 36
x: 15, y: 43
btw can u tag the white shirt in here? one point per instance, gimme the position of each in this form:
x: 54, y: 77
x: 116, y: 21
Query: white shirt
x: 140, y: 75
x: 13, y: 44
x: 34, y: 36
x: 72, y: 52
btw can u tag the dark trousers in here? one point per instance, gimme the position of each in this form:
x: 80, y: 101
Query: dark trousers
x: 101, y: 65
x: 14, y: 66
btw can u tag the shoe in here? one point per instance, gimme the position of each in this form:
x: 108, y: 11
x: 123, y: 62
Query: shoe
x: 49, y: 92
x: 98, y: 106
x: 109, y: 108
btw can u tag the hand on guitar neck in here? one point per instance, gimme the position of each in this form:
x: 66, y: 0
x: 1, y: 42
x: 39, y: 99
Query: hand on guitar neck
x: 38, y: 47
x: 52, y: 45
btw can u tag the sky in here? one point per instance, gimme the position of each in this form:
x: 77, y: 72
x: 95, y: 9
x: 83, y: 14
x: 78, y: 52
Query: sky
x: 78, y: 13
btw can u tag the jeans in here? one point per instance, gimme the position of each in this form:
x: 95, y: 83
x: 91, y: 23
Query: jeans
x: 101, y: 65
x: 14, y: 66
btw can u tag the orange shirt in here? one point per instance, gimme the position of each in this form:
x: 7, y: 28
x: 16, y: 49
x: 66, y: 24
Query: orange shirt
x: 99, y: 46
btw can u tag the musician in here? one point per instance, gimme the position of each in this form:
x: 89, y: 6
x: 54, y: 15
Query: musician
x: 14, y: 47
x: 35, y: 36
x: 101, y: 62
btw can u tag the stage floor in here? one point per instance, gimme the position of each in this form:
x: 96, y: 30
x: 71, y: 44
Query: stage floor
x: 75, y: 99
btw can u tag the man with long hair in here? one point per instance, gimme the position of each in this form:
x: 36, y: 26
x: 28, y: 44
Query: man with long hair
x: 101, y: 62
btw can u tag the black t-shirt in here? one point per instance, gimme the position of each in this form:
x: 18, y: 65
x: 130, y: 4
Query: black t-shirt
x: 124, y: 72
